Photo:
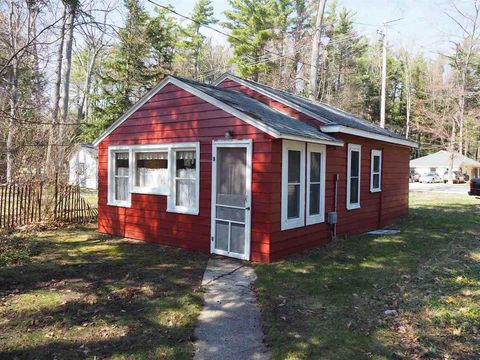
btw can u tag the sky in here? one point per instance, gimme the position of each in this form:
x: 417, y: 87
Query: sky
x: 425, y: 26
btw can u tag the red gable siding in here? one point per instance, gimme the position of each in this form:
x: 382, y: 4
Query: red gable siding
x: 174, y: 115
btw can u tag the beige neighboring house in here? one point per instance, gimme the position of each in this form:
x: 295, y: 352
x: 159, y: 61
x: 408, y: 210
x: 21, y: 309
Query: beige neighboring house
x: 440, y: 161
x: 82, y: 166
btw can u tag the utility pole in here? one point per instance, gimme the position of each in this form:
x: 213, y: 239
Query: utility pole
x: 384, y: 72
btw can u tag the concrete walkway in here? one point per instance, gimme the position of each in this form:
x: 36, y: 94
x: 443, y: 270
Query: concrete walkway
x: 229, y: 325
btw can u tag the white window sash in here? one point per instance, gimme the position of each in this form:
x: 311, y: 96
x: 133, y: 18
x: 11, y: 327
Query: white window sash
x: 376, y: 153
x: 147, y: 189
x: 287, y: 223
x: 320, y: 217
x: 353, y: 148
x: 111, y: 199
x: 172, y: 199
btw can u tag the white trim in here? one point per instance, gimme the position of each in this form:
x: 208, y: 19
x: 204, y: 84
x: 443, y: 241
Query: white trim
x: 287, y: 223
x: 171, y: 205
x: 351, y: 148
x: 377, y: 153
x: 111, y: 201
x: 367, y: 134
x: 329, y: 127
x: 242, y: 116
x: 314, y: 141
x: 247, y: 144
x: 319, y: 218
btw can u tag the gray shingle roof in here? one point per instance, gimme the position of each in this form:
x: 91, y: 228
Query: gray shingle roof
x: 328, y: 114
x: 257, y: 110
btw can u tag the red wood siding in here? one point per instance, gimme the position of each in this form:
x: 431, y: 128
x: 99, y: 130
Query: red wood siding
x: 174, y: 115
x: 376, y: 209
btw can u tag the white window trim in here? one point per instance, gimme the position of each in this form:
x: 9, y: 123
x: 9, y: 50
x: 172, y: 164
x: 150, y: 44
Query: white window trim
x: 318, y: 218
x: 131, y: 149
x: 171, y: 206
x: 372, y: 188
x: 112, y: 150
x: 351, y: 148
x: 300, y: 221
x: 143, y: 149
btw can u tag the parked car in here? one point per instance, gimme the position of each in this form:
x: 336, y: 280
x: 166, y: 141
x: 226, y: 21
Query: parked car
x: 457, y: 177
x: 474, y: 187
x: 466, y: 177
x: 431, y: 177
x: 414, y: 176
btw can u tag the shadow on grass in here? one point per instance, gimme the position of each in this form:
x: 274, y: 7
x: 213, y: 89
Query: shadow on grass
x: 87, y: 295
x: 331, y: 302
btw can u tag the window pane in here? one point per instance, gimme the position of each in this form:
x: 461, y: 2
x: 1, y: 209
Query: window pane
x: 353, y: 190
x: 152, y: 170
x: 121, y: 188
x: 293, y: 166
x: 376, y: 181
x: 315, y: 165
x: 376, y: 163
x: 314, y: 199
x: 221, y: 235
x: 230, y: 214
x: 237, y: 238
x: 121, y: 164
x: 354, y: 159
x: 293, y: 210
x: 185, y: 193
x: 231, y: 176
x: 185, y: 164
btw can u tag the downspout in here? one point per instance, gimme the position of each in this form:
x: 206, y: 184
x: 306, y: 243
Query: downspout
x: 337, y: 177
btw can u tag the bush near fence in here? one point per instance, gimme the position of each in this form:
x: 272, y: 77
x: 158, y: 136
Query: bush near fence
x: 30, y: 203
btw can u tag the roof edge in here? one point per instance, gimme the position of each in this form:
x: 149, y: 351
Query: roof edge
x: 367, y: 134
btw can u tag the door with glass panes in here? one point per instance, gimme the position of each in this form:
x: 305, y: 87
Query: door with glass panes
x: 231, y: 198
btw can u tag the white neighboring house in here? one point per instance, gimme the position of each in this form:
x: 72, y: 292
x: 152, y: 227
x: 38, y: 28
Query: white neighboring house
x: 83, y: 166
x: 440, y: 161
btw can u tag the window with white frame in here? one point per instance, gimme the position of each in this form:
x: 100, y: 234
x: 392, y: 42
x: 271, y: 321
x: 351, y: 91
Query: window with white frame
x: 353, y: 176
x: 185, y: 181
x: 376, y: 171
x: 159, y: 169
x: 119, y: 183
x: 151, y: 172
x: 315, y: 183
x: 293, y: 185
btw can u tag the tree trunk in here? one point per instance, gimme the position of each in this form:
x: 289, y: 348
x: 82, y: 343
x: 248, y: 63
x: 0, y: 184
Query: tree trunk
x: 65, y: 98
x: 49, y: 162
x: 316, y: 49
x: 12, y: 126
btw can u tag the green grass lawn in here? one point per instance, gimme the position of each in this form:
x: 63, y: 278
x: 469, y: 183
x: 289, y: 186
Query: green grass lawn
x: 73, y: 293
x: 407, y: 296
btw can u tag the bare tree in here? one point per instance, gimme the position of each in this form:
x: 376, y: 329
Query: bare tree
x: 316, y: 49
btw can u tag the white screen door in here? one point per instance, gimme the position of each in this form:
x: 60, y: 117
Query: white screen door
x: 231, y: 198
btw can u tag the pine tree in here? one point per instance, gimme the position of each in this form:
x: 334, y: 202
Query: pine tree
x: 202, y: 15
x: 252, y: 27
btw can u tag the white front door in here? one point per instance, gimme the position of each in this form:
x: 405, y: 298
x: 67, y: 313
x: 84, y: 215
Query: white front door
x: 231, y: 198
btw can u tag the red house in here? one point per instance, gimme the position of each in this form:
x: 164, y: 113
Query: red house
x: 244, y: 170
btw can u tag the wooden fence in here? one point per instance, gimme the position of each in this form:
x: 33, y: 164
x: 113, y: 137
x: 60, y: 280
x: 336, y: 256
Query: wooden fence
x: 35, y: 202
x: 70, y: 206
x: 20, y: 204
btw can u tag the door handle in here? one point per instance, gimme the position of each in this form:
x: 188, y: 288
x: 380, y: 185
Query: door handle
x: 247, y: 208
